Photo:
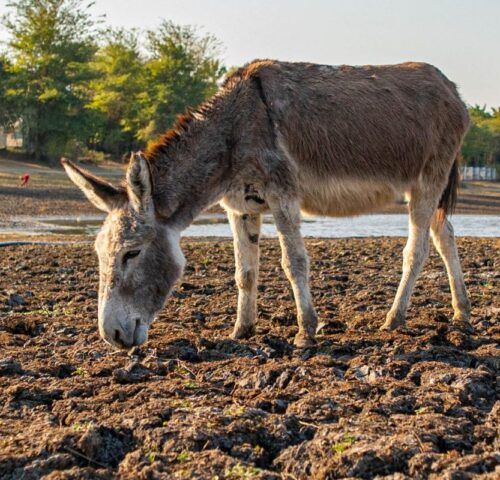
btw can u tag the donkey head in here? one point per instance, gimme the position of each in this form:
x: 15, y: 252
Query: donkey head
x: 139, y: 258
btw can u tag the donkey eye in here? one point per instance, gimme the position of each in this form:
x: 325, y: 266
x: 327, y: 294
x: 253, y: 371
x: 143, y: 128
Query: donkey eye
x: 130, y: 254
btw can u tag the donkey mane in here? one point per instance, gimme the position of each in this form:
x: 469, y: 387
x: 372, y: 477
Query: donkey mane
x: 182, y: 123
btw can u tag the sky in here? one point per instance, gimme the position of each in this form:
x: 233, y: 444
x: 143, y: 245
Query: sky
x: 461, y: 37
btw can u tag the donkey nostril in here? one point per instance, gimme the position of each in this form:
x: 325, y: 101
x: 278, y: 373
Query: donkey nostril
x: 119, y: 340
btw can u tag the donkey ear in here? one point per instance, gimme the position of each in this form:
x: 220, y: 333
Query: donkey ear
x: 100, y: 193
x: 139, y: 185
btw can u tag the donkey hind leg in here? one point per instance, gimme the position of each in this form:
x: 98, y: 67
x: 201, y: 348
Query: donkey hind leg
x: 295, y: 263
x: 444, y: 241
x: 246, y: 231
x: 421, y: 209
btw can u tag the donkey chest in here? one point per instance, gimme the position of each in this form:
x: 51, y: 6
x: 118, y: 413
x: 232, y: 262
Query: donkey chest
x: 245, y: 198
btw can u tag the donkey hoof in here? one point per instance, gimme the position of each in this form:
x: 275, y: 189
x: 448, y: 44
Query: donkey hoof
x: 462, y: 324
x: 461, y: 316
x: 303, y: 340
x: 243, y: 331
x: 393, y: 322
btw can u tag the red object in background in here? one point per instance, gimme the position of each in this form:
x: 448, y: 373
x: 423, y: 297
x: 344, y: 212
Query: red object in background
x: 25, y: 178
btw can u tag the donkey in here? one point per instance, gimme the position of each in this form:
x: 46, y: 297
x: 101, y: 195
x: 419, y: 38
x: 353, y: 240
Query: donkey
x: 283, y: 138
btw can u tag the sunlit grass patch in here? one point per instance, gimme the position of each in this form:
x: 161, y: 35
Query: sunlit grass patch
x: 182, y: 403
x: 80, y: 372
x: 344, y: 444
x: 424, y: 410
x: 82, y: 427
x: 183, y: 457
x: 242, y: 471
x: 235, y: 410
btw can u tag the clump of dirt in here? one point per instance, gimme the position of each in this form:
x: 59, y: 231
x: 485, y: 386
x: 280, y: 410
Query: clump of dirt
x: 99, y: 445
x: 420, y: 402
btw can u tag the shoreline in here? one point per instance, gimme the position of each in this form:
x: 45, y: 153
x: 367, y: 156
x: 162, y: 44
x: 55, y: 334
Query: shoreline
x: 57, y: 228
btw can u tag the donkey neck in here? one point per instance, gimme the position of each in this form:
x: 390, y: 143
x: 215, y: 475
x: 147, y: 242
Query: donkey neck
x: 193, y: 170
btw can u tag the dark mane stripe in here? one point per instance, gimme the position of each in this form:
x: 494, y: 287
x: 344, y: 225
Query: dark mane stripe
x: 184, y: 120
x: 182, y: 123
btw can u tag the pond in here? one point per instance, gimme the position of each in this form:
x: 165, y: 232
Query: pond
x: 216, y: 225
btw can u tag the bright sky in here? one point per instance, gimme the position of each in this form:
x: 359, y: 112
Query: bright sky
x: 461, y: 37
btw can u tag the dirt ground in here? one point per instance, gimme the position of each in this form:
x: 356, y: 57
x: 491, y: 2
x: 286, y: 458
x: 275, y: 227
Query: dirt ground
x: 421, y: 402
x: 49, y: 190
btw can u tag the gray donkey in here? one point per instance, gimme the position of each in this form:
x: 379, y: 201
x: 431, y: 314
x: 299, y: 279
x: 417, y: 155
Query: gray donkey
x: 282, y: 138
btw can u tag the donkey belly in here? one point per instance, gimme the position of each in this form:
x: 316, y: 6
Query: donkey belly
x: 346, y: 197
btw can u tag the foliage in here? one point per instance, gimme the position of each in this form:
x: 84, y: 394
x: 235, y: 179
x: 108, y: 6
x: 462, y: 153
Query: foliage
x: 76, y: 96
x: 50, y: 47
x: 183, y: 457
x: 242, y: 471
x: 424, y: 410
x: 346, y: 441
x: 182, y: 71
x: 118, y: 91
x: 7, y: 109
x: 482, y: 143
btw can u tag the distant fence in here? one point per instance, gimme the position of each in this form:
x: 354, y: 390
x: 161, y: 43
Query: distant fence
x: 478, y: 173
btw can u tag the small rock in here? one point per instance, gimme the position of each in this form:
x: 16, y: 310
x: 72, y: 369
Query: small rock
x: 200, y: 316
x: 132, y: 373
x: 65, y: 270
x: 284, y: 379
x: 281, y: 405
x: 246, y: 382
x: 269, y: 352
x: 340, y: 278
x: 15, y: 299
x: 367, y: 374
x: 10, y: 366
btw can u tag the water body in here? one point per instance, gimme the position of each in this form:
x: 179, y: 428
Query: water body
x: 215, y: 225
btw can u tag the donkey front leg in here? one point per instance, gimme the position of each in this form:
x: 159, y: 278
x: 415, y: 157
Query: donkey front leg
x: 246, y: 231
x: 295, y: 263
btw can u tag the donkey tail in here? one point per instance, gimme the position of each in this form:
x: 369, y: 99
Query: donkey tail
x: 449, y: 197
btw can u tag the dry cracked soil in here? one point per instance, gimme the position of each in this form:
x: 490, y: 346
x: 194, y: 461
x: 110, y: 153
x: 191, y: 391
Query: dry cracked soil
x: 420, y: 402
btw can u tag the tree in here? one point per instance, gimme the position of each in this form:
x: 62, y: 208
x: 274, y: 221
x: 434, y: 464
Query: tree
x: 183, y: 70
x: 50, y: 46
x: 7, y: 108
x: 482, y: 142
x: 118, y: 91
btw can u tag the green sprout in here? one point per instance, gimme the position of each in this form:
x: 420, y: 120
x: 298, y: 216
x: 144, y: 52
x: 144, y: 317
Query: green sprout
x: 242, y: 471
x: 344, y: 444
x: 424, y: 410
x: 183, y: 457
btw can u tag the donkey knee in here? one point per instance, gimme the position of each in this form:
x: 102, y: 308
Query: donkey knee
x: 246, y: 280
x: 414, y: 255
